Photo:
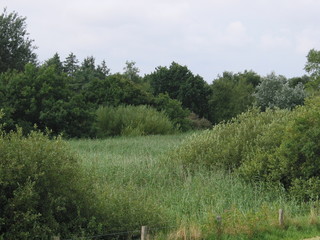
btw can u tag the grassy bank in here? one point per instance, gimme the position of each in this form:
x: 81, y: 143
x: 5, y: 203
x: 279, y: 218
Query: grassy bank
x: 134, y: 170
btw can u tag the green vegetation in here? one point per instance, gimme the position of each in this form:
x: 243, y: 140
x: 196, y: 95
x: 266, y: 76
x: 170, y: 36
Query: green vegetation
x: 275, y: 146
x: 42, y: 188
x: 189, y: 202
x: 232, y: 94
x: 132, y: 121
x: 275, y: 92
x: 64, y: 95
x: 119, y: 184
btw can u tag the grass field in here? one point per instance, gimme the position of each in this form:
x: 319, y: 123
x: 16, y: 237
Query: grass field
x: 135, y: 170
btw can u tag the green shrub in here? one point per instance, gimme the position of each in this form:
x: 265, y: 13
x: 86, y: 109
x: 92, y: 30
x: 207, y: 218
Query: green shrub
x: 43, y: 191
x: 174, y: 110
x: 199, y: 123
x: 296, y: 162
x: 228, y: 144
x: 276, y: 146
x: 132, y: 121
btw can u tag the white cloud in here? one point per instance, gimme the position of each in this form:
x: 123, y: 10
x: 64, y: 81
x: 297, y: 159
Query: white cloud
x: 270, y: 42
x: 307, y: 39
x: 235, y: 34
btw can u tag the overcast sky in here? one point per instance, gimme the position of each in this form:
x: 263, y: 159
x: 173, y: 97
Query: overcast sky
x: 209, y: 36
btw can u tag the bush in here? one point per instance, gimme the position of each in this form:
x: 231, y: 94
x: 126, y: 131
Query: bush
x: 43, y: 191
x: 299, y: 153
x: 132, y: 121
x: 199, y: 123
x: 174, y: 110
x: 276, y: 146
x: 228, y: 144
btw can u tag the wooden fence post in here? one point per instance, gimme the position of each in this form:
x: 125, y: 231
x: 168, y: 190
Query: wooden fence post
x: 219, y: 227
x: 144, y: 233
x: 281, y: 217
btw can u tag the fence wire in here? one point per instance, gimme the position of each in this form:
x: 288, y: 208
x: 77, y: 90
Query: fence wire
x: 153, y: 229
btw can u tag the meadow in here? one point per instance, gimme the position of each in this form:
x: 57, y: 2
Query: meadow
x: 147, y: 189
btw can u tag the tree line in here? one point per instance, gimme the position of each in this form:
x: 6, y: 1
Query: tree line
x: 63, y: 95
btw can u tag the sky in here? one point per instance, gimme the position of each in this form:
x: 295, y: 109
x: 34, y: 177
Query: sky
x: 208, y: 36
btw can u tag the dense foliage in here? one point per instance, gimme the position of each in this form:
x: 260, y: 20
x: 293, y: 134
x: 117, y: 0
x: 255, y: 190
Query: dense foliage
x: 65, y: 95
x: 232, y: 94
x: 275, y: 92
x: 43, y: 190
x: 39, y: 95
x: 181, y: 84
x: 16, y: 48
x: 276, y: 146
x: 174, y: 110
x: 132, y: 121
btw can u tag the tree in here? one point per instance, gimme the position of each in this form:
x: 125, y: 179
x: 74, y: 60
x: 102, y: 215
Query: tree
x: 83, y: 75
x: 275, y: 91
x: 16, y: 48
x: 305, y: 80
x: 232, y: 95
x: 194, y: 94
x: 70, y: 65
x: 313, y: 63
x: 115, y: 90
x: 103, y: 70
x: 40, y: 95
x: 55, y: 62
x: 169, y: 80
x: 131, y: 71
x: 313, y: 68
x: 180, y: 83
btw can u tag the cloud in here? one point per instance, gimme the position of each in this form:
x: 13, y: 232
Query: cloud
x: 235, y: 34
x: 307, y: 39
x: 269, y: 42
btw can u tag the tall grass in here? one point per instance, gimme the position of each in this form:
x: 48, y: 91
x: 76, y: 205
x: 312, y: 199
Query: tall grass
x: 134, y: 170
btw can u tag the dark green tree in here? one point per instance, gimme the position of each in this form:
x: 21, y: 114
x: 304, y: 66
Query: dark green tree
x: 304, y: 80
x: 56, y: 63
x: 114, y: 90
x: 16, y: 49
x: 103, y: 70
x: 83, y: 75
x: 232, y: 95
x: 194, y: 94
x: 70, y: 65
x: 180, y: 83
x: 169, y: 80
x: 40, y: 95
